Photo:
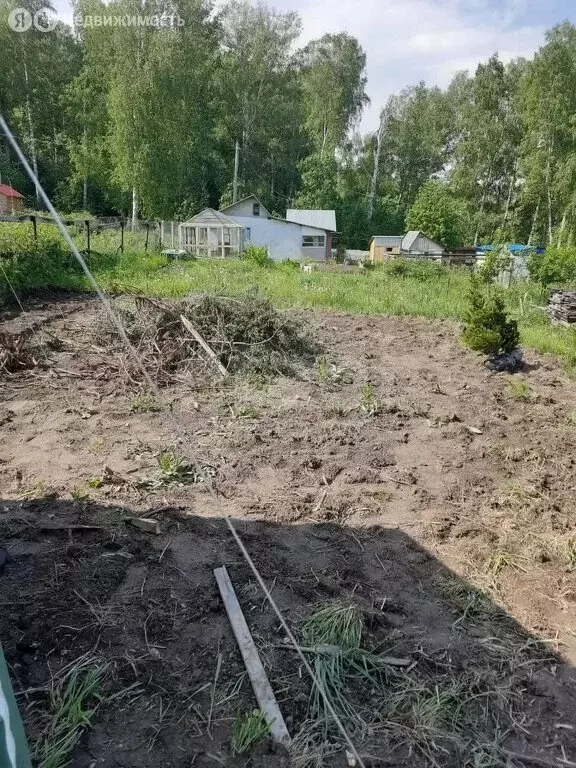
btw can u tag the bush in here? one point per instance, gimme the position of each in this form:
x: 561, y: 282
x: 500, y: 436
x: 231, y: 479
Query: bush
x: 257, y: 254
x: 32, y: 263
x: 556, y: 265
x: 488, y: 329
x: 496, y: 260
x: 419, y: 269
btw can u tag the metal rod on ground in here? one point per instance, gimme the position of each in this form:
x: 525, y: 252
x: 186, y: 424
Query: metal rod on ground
x: 256, y: 672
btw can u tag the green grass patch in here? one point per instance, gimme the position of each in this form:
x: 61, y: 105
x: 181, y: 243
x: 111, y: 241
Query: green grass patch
x: 431, y: 291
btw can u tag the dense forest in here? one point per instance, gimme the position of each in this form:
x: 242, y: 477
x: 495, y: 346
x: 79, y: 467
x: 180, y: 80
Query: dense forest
x: 145, y: 120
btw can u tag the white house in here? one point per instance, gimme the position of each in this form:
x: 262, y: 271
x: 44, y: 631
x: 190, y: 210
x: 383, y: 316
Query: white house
x: 413, y: 244
x: 301, y: 235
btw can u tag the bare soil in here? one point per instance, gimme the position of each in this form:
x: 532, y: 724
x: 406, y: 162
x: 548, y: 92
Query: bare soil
x: 440, y: 499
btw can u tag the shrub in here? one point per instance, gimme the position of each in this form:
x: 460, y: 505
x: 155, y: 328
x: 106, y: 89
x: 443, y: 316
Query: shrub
x: 488, y: 329
x: 257, y: 254
x: 30, y: 262
x: 495, y: 261
x: 556, y: 265
x: 396, y: 267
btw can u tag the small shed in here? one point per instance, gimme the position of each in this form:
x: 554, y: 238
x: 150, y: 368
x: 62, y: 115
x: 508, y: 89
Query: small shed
x: 10, y: 199
x: 211, y: 234
x: 413, y: 244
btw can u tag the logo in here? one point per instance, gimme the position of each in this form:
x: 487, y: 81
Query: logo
x: 44, y: 20
x: 21, y: 20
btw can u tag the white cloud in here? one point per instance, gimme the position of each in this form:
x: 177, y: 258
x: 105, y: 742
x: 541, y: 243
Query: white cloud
x: 411, y: 40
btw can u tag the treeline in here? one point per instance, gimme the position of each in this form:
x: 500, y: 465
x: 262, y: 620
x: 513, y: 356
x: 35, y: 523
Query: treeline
x: 145, y: 120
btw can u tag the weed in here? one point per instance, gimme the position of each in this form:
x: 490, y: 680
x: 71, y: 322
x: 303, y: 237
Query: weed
x: 38, y: 491
x: 248, y: 729
x: 497, y: 561
x: 571, y: 418
x: 322, y: 371
x: 518, y: 389
x: 335, y: 624
x: 75, y: 701
x: 143, y: 402
x: 172, y: 464
x: 94, y: 482
x: 368, y: 402
x: 472, y: 603
x: 245, y: 412
x: 79, y: 494
x: 97, y: 445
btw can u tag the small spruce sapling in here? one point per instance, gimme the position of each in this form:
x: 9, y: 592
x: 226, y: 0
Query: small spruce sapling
x: 488, y: 329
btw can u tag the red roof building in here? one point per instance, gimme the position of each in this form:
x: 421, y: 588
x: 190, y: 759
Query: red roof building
x: 10, y: 199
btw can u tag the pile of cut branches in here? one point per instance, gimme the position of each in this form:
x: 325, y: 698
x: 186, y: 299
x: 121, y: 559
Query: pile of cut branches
x: 203, y: 337
x: 15, y: 353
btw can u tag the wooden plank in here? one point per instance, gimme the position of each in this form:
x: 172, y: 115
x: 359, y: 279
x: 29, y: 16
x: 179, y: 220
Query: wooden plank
x: 260, y: 683
x: 204, y: 344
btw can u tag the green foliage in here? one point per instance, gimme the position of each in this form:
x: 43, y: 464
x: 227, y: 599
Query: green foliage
x: 494, y: 262
x: 248, y: 729
x: 257, y: 254
x: 488, y: 328
x: 437, y: 214
x: 556, y: 266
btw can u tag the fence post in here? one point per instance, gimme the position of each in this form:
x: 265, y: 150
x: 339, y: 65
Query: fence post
x: 147, y: 233
x: 33, y: 220
x: 122, y: 235
x: 161, y: 225
x: 87, y: 222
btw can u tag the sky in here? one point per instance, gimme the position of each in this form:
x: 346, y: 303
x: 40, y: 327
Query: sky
x: 411, y: 40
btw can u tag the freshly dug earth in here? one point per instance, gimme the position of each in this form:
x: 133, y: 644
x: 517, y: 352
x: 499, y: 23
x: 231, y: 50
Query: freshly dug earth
x: 396, y: 474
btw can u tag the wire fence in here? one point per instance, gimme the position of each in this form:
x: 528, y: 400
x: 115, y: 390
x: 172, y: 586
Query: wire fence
x: 100, y: 234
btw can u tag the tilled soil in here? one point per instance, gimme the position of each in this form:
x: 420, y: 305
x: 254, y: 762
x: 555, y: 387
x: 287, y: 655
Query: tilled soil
x: 398, y: 474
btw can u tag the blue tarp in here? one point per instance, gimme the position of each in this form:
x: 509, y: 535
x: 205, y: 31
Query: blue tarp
x: 512, y: 247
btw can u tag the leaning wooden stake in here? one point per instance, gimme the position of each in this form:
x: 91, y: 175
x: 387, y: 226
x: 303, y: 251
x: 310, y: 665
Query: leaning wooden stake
x: 204, y: 344
x: 262, y: 689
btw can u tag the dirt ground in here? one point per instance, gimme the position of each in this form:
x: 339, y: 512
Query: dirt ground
x: 397, y: 473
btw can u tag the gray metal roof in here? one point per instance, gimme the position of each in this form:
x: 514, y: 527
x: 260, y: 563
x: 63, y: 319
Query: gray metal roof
x: 210, y: 216
x: 409, y: 239
x: 313, y: 218
x: 387, y: 239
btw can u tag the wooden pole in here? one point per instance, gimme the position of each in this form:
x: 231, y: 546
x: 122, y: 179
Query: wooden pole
x: 256, y: 672
x: 34, y: 227
x: 122, y: 235
x: 87, y: 222
x: 147, y: 233
x: 236, y: 165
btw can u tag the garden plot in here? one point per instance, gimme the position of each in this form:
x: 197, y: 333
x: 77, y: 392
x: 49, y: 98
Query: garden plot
x: 412, y: 513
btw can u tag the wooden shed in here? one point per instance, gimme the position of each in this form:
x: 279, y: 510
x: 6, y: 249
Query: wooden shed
x: 211, y: 234
x: 413, y: 244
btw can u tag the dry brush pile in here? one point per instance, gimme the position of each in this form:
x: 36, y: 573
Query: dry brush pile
x: 241, y: 335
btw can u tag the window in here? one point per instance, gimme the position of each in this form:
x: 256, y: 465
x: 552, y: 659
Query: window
x: 226, y: 235
x: 389, y: 250
x: 256, y: 209
x: 313, y: 241
x: 248, y: 233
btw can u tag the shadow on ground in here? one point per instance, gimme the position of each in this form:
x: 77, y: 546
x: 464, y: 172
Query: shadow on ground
x: 479, y: 690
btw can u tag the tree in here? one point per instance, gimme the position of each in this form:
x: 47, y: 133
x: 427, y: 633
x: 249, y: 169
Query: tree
x: 437, y: 215
x: 332, y: 76
x: 488, y: 328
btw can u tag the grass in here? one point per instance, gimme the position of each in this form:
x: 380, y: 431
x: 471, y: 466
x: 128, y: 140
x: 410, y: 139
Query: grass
x: 368, y: 402
x: 449, y: 715
x: 172, y: 465
x: 248, y: 729
x: 142, y: 402
x: 434, y: 293
x: 518, y: 389
x: 75, y: 700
